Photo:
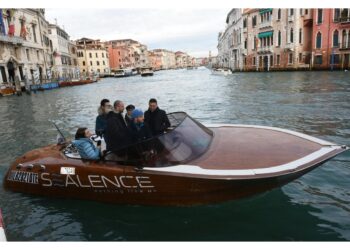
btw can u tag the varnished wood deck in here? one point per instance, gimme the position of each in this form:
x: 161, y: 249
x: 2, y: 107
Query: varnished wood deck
x: 253, y: 148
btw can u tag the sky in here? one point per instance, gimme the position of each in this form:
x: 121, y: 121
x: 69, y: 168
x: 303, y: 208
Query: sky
x: 193, y: 31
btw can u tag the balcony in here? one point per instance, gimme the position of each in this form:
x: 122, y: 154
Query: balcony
x: 290, y: 18
x: 265, y: 25
x: 289, y: 46
x: 266, y: 49
x: 244, y: 52
x: 16, y: 40
x: 344, y: 46
x: 344, y: 20
x: 245, y: 30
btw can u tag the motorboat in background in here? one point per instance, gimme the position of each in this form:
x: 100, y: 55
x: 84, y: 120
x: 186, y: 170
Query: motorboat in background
x: 221, y: 71
x: 123, y: 72
x: 146, y: 71
x: 189, y: 164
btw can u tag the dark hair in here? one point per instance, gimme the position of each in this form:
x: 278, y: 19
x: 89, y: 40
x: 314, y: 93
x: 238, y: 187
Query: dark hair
x: 80, y: 133
x: 130, y: 107
x: 103, y: 102
x: 152, y: 100
x: 116, y: 103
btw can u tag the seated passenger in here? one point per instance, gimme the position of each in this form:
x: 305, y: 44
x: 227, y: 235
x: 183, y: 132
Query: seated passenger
x: 128, y: 118
x: 101, y: 119
x: 140, y: 129
x: 85, y: 146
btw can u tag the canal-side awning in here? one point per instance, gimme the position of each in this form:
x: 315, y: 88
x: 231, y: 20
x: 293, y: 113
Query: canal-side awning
x: 262, y: 11
x: 265, y: 34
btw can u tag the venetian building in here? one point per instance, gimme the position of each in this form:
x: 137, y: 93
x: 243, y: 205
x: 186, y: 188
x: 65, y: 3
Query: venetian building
x: 233, y: 35
x: 62, y: 64
x: 168, y: 59
x: 331, y: 39
x: 127, y: 53
x: 92, y: 57
x: 180, y: 59
x: 24, y: 45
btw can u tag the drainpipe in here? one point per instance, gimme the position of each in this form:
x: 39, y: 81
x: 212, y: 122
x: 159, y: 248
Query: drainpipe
x: 328, y: 42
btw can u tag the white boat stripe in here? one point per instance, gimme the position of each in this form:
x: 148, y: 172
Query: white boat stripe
x: 304, y: 136
x: 192, y: 169
x: 2, y: 235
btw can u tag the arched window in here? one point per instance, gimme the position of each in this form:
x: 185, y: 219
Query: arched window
x: 318, y: 40
x: 291, y: 13
x: 279, y: 14
x: 279, y: 38
x: 291, y: 35
x: 335, y: 38
x: 300, y: 36
x: 344, y: 39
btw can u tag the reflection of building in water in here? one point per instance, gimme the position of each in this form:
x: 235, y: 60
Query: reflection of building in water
x: 24, y: 45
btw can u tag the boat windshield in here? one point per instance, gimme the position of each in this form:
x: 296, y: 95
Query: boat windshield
x: 184, y: 141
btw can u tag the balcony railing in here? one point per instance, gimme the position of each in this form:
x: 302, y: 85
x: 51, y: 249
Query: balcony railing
x: 244, y: 51
x: 345, y: 19
x: 290, y: 18
x: 266, y: 49
x: 289, y: 46
x: 344, y: 46
x: 266, y: 24
x: 245, y: 30
x: 11, y: 39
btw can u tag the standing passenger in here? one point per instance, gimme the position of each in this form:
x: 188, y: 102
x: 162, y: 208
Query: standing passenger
x: 117, y: 134
x: 128, y: 114
x: 101, y: 119
x: 156, y: 119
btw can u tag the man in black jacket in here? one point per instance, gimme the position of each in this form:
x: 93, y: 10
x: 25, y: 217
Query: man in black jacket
x: 117, y: 134
x: 155, y: 118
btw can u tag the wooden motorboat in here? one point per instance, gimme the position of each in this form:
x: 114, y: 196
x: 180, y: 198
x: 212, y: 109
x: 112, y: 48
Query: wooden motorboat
x: 75, y: 82
x: 189, y: 164
x: 6, y: 90
x: 146, y: 71
x: 2, y: 230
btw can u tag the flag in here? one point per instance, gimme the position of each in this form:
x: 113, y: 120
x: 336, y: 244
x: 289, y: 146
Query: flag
x: 2, y: 25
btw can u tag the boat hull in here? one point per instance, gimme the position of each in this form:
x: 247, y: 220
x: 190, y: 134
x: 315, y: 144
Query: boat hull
x: 128, y: 185
x: 231, y: 168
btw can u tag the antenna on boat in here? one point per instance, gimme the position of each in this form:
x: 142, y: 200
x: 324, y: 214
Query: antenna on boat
x: 61, y: 139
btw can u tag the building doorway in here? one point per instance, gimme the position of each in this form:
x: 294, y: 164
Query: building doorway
x: 346, y: 61
x: 266, y: 63
x: 3, y: 74
x: 11, y: 71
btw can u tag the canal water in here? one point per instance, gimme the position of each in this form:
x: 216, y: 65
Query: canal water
x: 313, y: 207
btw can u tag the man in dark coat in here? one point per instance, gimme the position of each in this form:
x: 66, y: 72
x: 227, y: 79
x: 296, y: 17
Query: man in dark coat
x: 156, y: 119
x: 101, y: 119
x: 128, y: 118
x: 117, y: 134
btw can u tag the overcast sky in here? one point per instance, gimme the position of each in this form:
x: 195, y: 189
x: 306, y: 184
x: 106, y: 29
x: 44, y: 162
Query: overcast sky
x: 193, y: 31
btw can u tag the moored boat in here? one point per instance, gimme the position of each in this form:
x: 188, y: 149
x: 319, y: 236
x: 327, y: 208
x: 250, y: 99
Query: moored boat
x: 189, y: 164
x: 6, y: 90
x: 146, y: 71
x: 75, y: 82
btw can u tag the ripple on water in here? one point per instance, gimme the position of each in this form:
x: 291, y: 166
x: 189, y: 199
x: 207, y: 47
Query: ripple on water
x: 314, y: 207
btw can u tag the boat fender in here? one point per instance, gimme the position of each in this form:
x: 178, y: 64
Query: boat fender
x: 19, y: 166
x: 42, y: 167
x: 30, y: 166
